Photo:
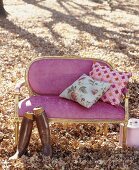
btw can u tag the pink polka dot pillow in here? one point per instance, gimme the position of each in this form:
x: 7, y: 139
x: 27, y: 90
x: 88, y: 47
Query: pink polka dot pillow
x: 118, y: 80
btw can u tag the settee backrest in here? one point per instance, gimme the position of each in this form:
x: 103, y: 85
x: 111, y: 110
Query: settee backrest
x: 50, y: 76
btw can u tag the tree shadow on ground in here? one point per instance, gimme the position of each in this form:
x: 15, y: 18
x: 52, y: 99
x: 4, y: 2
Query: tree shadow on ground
x: 127, y: 8
x: 100, y: 33
x: 37, y: 43
x: 99, y: 1
x: 100, y: 17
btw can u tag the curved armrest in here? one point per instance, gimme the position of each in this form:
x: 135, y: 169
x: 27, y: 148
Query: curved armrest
x: 19, y: 85
x: 17, y: 92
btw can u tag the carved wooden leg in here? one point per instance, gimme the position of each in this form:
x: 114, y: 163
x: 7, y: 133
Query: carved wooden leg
x: 124, y: 134
x: 97, y: 128
x: 105, y: 128
x: 16, y: 131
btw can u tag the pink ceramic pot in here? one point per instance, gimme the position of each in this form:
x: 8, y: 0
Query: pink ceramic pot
x: 132, y: 139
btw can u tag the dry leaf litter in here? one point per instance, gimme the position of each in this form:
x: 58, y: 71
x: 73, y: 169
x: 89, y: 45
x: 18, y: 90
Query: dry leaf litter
x: 104, y: 29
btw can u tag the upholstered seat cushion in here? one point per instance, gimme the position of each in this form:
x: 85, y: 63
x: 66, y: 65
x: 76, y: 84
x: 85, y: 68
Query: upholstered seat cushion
x: 57, y: 107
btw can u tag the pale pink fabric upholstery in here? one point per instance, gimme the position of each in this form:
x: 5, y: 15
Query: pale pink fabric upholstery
x: 57, y: 107
x: 52, y: 76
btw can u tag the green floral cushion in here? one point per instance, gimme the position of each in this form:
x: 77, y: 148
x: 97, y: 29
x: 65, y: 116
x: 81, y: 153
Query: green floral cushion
x: 86, y: 91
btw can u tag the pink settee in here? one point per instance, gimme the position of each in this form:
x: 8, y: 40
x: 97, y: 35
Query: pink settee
x: 47, y: 77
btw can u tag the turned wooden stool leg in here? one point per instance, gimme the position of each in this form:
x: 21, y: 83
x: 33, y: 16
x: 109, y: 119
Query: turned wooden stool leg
x: 105, y: 129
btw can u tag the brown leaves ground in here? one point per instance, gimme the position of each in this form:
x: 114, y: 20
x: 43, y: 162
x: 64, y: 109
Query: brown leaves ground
x: 97, y: 29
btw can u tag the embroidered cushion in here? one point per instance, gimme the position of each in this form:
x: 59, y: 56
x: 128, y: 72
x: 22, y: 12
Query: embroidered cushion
x: 86, y: 91
x: 118, y: 80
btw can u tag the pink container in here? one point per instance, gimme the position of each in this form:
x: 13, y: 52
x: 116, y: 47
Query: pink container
x: 132, y: 139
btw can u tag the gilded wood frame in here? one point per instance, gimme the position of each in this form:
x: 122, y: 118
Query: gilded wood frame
x: 16, y: 118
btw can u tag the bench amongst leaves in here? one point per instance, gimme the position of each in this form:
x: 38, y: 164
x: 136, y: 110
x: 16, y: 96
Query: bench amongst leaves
x: 54, y: 84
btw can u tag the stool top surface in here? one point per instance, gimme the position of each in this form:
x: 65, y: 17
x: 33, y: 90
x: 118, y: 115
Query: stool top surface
x: 133, y: 123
